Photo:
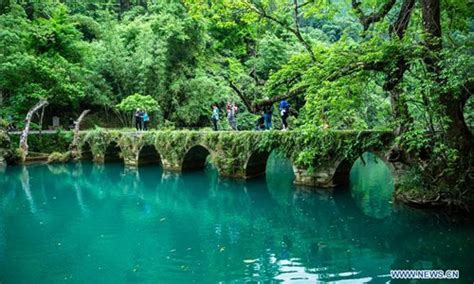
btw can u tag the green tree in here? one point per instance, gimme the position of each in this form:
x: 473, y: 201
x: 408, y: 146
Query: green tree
x: 404, y: 65
x: 134, y: 102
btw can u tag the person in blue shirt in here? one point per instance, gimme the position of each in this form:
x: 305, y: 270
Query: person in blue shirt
x: 284, y: 112
x: 215, y: 117
x: 146, y: 119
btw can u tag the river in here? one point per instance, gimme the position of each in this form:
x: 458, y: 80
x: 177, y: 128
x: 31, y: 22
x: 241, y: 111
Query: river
x: 86, y: 223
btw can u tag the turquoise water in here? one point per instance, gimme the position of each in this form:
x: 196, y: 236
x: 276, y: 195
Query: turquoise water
x: 85, y: 223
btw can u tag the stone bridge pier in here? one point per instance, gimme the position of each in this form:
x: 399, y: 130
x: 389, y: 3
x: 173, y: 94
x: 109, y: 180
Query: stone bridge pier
x: 329, y: 173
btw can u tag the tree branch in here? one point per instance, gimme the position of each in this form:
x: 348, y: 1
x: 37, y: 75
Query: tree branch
x: 305, y: 3
x: 403, y: 19
x: 355, y: 67
x: 241, y: 95
x: 259, y: 104
x: 295, y: 31
x: 298, y: 33
x: 345, y: 71
x: 367, y: 20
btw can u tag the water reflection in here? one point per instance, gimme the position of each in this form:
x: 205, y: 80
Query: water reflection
x: 25, y: 185
x: 372, y: 186
x: 110, y: 224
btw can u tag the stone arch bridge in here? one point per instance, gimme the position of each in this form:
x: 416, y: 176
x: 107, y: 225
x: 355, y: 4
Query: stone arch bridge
x: 320, y: 159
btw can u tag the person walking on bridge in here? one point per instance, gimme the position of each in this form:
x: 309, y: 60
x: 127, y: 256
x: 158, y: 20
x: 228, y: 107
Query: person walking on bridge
x: 215, y: 117
x: 231, y: 112
x: 260, y: 123
x: 284, y: 112
x: 138, y: 119
x: 267, y: 116
x: 146, y: 120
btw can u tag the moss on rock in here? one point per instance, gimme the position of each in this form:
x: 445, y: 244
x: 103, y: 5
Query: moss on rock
x: 58, y: 157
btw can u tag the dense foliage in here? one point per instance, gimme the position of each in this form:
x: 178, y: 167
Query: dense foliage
x: 404, y: 65
x: 134, y: 102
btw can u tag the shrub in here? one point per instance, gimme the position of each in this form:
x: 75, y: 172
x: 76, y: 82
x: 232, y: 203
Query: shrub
x: 57, y: 157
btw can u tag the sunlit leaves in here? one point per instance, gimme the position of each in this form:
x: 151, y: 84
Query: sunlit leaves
x: 186, y: 54
x: 137, y: 101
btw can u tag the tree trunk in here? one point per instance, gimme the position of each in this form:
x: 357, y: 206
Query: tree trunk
x: 26, y: 130
x: 41, y: 121
x: 399, y: 111
x: 452, y: 172
x: 457, y: 134
x: 75, y: 142
x: 399, y: 106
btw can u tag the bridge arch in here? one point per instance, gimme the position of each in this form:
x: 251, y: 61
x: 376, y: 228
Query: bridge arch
x: 195, y: 158
x: 148, y: 155
x: 86, y: 152
x: 113, y: 152
x: 342, y: 172
x: 256, y: 164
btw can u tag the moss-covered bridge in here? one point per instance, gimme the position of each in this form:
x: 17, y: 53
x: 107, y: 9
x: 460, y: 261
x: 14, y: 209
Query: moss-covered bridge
x: 319, y: 158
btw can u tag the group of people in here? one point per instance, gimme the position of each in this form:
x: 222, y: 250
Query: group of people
x: 231, y: 109
x: 141, y: 119
x: 264, y: 122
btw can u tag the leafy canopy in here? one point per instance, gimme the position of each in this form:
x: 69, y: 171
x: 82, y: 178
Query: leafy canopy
x: 137, y: 101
